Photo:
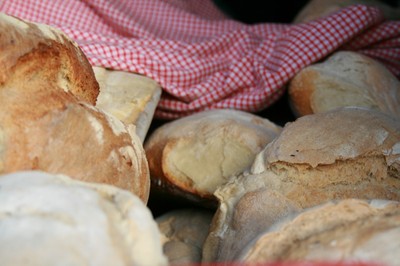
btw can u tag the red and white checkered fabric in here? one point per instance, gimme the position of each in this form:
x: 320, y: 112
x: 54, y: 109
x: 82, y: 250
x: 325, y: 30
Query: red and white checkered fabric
x: 201, y: 58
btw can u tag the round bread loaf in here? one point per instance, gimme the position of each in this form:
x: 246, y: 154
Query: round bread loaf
x: 33, y: 54
x: 194, y: 155
x: 345, y: 153
x: 245, y: 210
x: 184, y: 232
x: 48, y: 220
x: 345, y: 231
x: 47, y: 120
x: 344, y: 79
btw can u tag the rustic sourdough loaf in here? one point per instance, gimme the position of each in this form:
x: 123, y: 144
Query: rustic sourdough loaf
x: 48, y: 220
x: 344, y: 79
x: 347, y: 152
x: 33, y: 54
x: 245, y: 210
x: 194, y: 155
x: 344, y: 153
x: 130, y: 97
x: 183, y: 233
x: 47, y: 118
x: 343, y: 231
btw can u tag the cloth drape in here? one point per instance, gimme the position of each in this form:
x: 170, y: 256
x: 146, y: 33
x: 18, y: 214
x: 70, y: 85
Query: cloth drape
x: 201, y: 58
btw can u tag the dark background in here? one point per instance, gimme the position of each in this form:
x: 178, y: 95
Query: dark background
x: 281, y: 11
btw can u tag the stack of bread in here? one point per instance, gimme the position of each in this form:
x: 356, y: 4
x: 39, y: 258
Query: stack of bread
x: 325, y: 187
x: 346, y: 153
x: 74, y: 180
x: 48, y: 92
x: 82, y: 162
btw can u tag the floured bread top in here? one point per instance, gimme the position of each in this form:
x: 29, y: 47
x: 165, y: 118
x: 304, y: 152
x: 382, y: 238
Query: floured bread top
x: 342, y: 134
x: 130, y: 97
x: 40, y: 53
x: 345, y: 79
x: 198, y: 153
x: 246, y: 208
x: 350, y: 230
x: 346, y: 153
x: 184, y: 231
x: 54, y: 220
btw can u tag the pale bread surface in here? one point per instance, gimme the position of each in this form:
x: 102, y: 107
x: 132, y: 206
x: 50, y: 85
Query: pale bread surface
x: 193, y: 155
x: 344, y: 79
x: 349, y: 230
x: 183, y: 232
x: 130, y: 97
x: 50, y: 220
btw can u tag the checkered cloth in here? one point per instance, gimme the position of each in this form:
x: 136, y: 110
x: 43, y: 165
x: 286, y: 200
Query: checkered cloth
x: 202, y: 59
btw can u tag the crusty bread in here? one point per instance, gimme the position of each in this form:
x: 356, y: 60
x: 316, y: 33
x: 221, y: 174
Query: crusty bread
x: 183, y: 232
x: 245, y: 210
x: 47, y: 120
x: 345, y: 153
x: 315, y: 9
x: 194, y: 155
x: 34, y: 53
x: 130, y: 97
x: 344, y: 79
x: 48, y: 220
x: 345, y: 231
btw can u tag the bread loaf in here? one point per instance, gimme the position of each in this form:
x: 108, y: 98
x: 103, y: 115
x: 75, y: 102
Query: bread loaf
x: 244, y: 212
x: 345, y: 231
x: 184, y: 232
x: 192, y: 156
x: 344, y: 79
x: 35, y: 54
x: 130, y: 97
x: 48, y: 220
x: 345, y: 153
x: 47, y: 119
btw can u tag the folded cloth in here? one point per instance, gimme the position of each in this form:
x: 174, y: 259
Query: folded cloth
x: 202, y: 59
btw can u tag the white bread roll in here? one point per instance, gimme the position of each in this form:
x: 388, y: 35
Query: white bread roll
x: 344, y: 79
x: 194, y: 155
x: 130, y: 97
x: 48, y: 220
x: 345, y: 153
x: 346, y: 231
x: 183, y: 232
x: 47, y: 118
